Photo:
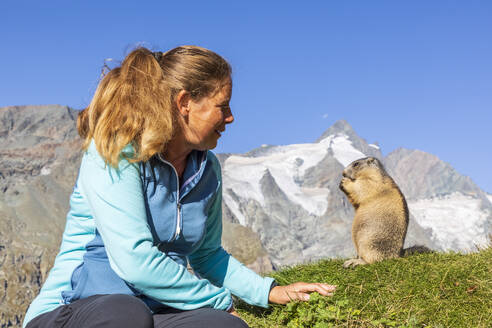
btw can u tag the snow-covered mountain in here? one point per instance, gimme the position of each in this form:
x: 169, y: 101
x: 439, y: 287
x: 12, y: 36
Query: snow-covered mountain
x: 289, y: 196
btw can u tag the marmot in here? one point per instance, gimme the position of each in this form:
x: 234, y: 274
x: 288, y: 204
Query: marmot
x: 381, y: 211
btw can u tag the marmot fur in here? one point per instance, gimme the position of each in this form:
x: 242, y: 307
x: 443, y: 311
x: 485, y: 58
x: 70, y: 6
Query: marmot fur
x: 381, y: 212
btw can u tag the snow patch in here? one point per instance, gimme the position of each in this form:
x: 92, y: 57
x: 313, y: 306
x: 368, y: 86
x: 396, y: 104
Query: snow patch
x: 374, y: 146
x: 489, y: 196
x: 243, y: 174
x: 287, y: 165
x: 342, y: 148
x: 45, y: 171
x: 234, y: 207
x: 456, y: 220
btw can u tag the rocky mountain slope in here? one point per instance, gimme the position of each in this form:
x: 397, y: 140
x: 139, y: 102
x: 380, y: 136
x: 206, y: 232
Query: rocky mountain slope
x: 39, y: 159
x: 281, y: 204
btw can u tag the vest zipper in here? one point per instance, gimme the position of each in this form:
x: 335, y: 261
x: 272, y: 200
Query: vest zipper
x: 178, y: 189
x: 178, y: 225
x: 178, y: 204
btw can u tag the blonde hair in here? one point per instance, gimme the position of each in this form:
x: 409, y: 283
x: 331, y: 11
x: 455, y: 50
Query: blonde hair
x: 134, y: 103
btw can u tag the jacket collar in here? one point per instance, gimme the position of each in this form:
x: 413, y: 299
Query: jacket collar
x: 195, y: 166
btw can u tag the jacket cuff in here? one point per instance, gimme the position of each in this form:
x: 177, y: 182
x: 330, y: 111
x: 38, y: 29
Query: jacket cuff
x: 273, y: 285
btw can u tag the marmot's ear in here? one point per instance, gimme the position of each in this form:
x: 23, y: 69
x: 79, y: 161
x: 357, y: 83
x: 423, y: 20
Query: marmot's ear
x: 373, y: 161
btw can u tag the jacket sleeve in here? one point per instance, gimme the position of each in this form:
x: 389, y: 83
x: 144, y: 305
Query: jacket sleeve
x: 212, y: 262
x: 115, y: 197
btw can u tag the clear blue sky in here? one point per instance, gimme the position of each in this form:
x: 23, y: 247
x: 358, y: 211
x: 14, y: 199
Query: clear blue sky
x: 414, y: 74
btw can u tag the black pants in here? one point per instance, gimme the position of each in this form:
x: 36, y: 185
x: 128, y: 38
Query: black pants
x: 121, y: 311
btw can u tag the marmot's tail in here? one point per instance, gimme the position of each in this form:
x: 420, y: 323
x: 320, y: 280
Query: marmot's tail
x: 415, y: 250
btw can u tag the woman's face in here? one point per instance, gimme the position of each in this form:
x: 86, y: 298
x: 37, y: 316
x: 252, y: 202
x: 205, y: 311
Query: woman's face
x: 207, y: 119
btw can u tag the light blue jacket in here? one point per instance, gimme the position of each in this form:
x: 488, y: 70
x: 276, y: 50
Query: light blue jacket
x: 132, y: 230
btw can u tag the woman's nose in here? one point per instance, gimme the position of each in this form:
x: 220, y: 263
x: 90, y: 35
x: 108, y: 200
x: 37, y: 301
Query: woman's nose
x: 228, y: 117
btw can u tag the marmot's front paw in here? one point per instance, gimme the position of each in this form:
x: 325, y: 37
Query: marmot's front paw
x: 353, y: 263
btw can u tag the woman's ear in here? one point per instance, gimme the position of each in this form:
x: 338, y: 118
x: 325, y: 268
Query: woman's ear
x: 183, y: 101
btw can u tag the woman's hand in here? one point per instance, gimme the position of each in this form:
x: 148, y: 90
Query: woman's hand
x: 298, y: 291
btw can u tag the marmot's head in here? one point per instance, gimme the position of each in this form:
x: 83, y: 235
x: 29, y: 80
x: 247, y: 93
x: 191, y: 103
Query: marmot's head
x: 363, y: 168
x: 360, y: 173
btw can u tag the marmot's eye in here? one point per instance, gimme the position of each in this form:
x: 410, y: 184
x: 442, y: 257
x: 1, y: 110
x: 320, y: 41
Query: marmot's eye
x: 356, y: 164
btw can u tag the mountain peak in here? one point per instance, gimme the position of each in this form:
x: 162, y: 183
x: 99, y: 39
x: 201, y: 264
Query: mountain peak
x: 340, y: 127
x: 343, y: 128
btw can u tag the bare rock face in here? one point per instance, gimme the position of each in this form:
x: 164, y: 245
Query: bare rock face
x: 424, y: 175
x: 246, y: 247
x: 40, y: 154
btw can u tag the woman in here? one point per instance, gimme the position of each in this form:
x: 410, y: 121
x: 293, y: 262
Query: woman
x: 147, y: 202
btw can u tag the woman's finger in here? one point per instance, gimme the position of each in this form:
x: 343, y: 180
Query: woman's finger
x: 325, y: 289
x: 322, y: 289
x: 298, y: 296
x: 299, y: 291
x: 304, y: 297
x: 307, y: 287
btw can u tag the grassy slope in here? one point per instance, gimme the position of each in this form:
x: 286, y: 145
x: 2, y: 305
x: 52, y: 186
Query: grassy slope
x: 426, y: 290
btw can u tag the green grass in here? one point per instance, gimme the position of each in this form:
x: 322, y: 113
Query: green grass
x: 426, y: 290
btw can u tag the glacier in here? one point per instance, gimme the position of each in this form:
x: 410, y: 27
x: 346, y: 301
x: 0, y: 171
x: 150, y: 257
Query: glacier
x: 287, y: 165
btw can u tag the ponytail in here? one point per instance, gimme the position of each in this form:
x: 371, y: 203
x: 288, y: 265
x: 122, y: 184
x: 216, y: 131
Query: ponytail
x: 131, y: 106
